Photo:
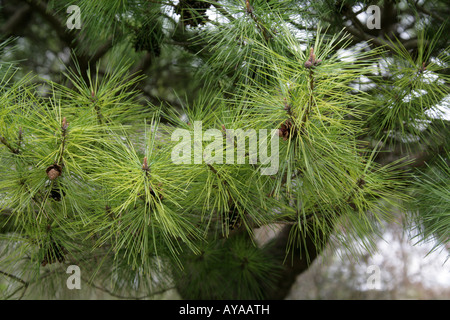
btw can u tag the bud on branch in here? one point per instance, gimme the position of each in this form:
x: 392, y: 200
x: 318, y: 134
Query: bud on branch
x: 145, y: 165
x: 64, y: 124
x: 248, y: 6
x: 312, y: 62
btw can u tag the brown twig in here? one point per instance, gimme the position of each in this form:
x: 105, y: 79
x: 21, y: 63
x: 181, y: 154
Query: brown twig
x: 249, y: 10
x: 6, y: 143
x: 24, y: 283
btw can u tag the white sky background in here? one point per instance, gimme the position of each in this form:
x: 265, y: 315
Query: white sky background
x: 428, y: 267
x: 401, y: 265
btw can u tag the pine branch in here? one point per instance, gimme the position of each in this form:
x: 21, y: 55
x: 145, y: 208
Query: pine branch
x: 109, y: 194
x: 64, y: 35
x: 422, y: 9
x: 222, y: 10
x: 68, y: 37
x: 6, y: 143
x: 307, y: 250
x: 102, y: 50
x: 19, y: 19
x: 310, y: 64
x: 24, y: 286
x: 64, y: 126
x: 261, y: 27
x: 101, y: 288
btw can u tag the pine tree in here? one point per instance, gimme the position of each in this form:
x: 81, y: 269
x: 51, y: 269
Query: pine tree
x: 87, y: 146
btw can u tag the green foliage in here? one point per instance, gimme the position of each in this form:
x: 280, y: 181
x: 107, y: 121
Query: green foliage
x: 88, y: 178
x: 419, y: 86
x: 235, y: 269
x: 432, y: 202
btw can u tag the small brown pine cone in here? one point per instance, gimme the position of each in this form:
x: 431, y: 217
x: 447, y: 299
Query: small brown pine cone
x: 308, y: 64
x: 285, y: 130
x: 53, y: 172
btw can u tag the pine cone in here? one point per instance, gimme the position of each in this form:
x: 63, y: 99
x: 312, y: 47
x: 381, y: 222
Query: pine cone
x: 54, y: 171
x: 286, y: 130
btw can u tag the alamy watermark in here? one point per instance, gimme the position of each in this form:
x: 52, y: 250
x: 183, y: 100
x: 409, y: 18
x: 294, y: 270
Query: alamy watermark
x: 190, y: 147
x: 74, y: 280
x: 374, y: 17
x: 374, y: 280
x: 74, y: 20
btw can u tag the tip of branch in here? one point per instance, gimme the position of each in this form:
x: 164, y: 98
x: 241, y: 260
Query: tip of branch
x: 145, y: 165
x: 312, y: 59
x: 64, y: 124
x: 311, y: 54
x: 248, y: 6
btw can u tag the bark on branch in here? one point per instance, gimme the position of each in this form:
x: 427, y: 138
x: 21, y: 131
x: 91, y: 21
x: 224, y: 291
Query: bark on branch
x: 298, y: 260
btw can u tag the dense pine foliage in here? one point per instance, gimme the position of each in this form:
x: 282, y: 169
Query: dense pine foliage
x: 88, y: 116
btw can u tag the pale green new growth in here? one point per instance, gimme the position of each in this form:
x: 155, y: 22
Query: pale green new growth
x: 87, y: 177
